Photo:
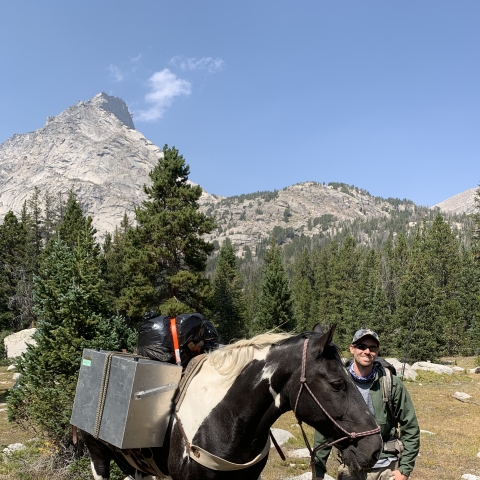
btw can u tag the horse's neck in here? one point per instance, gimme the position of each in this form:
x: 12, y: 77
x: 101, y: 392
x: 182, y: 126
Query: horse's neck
x: 239, y: 414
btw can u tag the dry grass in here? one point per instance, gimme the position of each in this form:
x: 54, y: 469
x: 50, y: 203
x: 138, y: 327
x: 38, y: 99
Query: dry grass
x: 9, y: 432
x: 446, y: 455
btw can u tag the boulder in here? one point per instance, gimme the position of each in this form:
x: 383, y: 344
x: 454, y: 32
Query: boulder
x: 408, y: 373
x: 281, y: 436
x: 13, y: 447
x: 461, y: 396
x: 458, y: 369
x: 300, y: 453
x: 16, y: 343
x: 468, y: 476
x: 308, y: 476
x: 432, y: 367
x: 475, y: 370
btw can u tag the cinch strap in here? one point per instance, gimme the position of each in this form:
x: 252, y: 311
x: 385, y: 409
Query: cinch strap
x: 173, y: 329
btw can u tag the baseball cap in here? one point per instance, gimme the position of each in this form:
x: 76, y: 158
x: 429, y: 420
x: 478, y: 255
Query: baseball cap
x: 365, y: 332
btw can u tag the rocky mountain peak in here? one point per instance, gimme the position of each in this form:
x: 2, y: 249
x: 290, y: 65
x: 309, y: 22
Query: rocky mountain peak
x: 92, y: 147
x: 113, y: 105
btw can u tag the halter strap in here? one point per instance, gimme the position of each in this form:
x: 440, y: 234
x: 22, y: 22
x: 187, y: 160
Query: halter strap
x: 348, y: 435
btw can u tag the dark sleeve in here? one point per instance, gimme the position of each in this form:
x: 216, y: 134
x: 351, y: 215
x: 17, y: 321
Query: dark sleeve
x: 321, y: 456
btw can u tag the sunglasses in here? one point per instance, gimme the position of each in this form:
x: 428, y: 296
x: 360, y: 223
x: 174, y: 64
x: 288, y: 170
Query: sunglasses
x: 362, y: 347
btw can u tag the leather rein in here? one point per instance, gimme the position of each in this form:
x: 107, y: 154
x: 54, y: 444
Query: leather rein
x: 348, y: 435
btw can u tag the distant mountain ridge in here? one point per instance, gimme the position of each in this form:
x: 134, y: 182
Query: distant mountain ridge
x: 94, y: 147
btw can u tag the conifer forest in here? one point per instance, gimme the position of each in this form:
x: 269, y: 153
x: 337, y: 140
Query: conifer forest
x: 419, y: 289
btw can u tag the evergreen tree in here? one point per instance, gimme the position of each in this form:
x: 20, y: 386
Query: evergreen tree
x: 342, y: 305
x: 274, y: 310
x: 303, y: 287
x: 418, y: 321
x: 113, y: 264
x: 75, y: 227
x: 165, y: 254
x: 13, y: 264
x: 70, y: 305
x: 228, y: 299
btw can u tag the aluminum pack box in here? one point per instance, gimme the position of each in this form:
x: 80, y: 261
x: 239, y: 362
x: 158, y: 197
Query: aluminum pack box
x: 138, y: 400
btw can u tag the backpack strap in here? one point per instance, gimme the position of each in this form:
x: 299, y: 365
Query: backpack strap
x: 387, y: 390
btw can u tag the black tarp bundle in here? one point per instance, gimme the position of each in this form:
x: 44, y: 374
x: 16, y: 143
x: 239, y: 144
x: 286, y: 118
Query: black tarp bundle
x: 195, y: 335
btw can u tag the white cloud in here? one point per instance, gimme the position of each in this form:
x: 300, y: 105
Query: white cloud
x: 164, y: 86
x: 210, y: 64
x: 137, y: 58
x: 116, y: 73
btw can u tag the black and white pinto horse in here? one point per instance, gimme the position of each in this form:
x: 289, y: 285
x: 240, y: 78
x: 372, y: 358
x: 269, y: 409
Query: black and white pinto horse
x: 238, y: 394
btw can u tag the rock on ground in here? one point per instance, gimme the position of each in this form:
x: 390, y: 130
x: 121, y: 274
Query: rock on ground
x: 475, y: 370
x: 281, y: 436
x: 408, y: 373
x: 13, y: 447
x: 432, y: 367
x: 300, y: 453
x: 308, y: 476
x: 468, y: 476
x: 16, y: 343
x: 461, y: 396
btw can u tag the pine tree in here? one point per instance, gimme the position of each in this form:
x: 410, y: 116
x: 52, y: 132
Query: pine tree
x: 165, y: 253
x: 274, y: 309
x: 342, y: 305
x: 70, y: 305
x: 303, y: 287
x: 75, y: 227
x: 13, y: 263
x: 228, y: 299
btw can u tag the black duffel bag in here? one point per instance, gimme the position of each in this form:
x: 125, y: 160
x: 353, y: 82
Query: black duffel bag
x: 195, y: 335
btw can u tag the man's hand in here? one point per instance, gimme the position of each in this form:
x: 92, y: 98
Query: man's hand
x: 398, y: 475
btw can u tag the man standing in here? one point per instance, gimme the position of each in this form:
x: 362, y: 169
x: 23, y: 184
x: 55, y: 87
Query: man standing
x: 388, y: 400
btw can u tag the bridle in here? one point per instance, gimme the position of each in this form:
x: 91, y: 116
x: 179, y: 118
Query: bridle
x: 348, y: 435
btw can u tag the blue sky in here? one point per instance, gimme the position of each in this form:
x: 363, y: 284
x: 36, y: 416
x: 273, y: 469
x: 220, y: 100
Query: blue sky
x: 259, y: 95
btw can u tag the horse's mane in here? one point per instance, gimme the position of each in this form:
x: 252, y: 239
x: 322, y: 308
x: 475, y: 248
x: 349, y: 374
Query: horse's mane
x: 231, y: 359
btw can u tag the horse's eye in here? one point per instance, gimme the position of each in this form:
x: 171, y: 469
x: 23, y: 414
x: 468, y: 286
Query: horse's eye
x: 337, y: 385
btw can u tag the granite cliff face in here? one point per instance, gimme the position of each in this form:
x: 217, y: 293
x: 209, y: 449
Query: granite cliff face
x: 93, y: 147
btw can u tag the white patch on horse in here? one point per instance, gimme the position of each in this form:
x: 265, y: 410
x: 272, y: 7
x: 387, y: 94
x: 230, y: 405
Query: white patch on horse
x: 95, y: 474
x: 206, y: 391
x: 267, y: 374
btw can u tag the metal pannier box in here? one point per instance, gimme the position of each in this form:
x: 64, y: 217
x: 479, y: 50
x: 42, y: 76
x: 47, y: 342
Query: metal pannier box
x: 137, y: 393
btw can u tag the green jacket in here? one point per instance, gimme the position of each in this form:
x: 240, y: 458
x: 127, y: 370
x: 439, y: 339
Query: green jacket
x: 406, y: 420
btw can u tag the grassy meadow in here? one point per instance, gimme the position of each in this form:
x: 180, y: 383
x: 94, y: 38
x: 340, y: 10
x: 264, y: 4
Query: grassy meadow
x: 446, y: 454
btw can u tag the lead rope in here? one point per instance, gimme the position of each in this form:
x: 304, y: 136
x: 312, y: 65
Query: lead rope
x: 349, y: 435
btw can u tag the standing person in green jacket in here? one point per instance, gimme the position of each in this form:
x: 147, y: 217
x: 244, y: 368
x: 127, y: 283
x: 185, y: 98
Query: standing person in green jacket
x: 397, y: 460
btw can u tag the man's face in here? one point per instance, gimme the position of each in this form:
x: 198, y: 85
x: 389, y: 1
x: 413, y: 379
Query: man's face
x: 362, y: 353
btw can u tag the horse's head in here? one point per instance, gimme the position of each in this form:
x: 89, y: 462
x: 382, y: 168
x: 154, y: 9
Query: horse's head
x: 323, y: 395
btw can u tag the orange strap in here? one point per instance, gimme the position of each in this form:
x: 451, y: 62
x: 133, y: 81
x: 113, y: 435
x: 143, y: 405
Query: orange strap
x: 173, y: 329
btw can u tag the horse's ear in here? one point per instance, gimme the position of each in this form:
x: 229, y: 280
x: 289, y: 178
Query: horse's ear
x: 319, y: 344
x: 317, y: 328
